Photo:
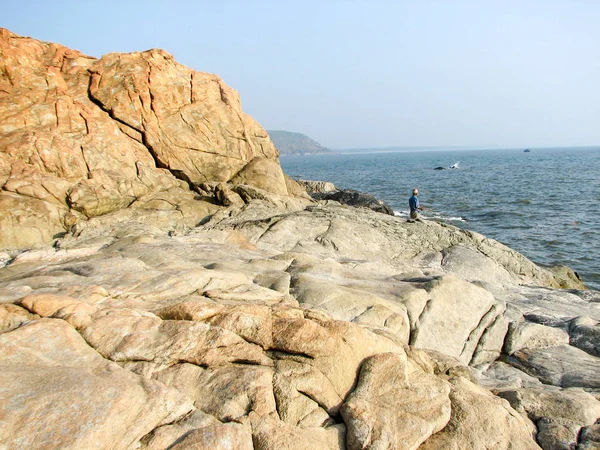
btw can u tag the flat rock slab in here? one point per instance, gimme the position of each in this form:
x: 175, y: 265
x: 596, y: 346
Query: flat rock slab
x: 395, y: 405
x: 572, y: 404
x: 533, y: 335
x: 481, y: 420
x: 455, y: 318
x: 57, y: 392
x: 553, y: 307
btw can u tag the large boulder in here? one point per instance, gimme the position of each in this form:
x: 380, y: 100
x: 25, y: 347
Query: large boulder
x: 264, y: 174
x: 191, y: 122
x: 481, y: 420
x: 81, y: 137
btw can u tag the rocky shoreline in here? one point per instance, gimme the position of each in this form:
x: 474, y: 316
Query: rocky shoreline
x: 164, y: 285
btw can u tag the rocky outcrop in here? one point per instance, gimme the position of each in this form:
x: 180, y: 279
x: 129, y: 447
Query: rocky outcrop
x: 317, y: 187
x: 81, y: 137
x: 357, y: 199
x: 321, y: 190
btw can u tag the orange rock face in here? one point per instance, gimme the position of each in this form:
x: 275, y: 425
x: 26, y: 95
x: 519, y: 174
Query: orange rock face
x: 81, y: 137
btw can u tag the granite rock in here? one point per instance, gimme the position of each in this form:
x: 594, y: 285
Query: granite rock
x: 82, y: 137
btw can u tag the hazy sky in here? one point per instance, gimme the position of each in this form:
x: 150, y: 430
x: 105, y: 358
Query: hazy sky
x: 367, y: 73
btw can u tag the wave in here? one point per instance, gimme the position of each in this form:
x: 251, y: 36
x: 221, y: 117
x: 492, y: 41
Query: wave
x: 432, y: 216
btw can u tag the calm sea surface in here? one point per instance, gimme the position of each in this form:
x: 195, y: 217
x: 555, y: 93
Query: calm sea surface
x: 544, y: 204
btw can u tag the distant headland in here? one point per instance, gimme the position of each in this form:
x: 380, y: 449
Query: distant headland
x: 289, y: 143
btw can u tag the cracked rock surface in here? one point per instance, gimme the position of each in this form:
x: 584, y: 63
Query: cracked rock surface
x: 81, y: 137
x: 255, y: 329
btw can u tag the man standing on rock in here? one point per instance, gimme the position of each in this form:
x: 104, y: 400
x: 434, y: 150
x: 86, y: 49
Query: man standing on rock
x: 414, y: 205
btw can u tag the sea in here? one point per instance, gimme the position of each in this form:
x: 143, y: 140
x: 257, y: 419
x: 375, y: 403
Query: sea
x: 544, y: 203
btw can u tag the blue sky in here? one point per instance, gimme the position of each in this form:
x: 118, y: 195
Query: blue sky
x: 367, y: 73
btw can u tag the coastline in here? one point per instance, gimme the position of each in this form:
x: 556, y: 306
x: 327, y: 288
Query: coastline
x: 515, y: 198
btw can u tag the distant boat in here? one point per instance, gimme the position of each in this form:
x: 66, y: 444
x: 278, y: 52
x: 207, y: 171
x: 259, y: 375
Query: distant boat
x: 526, y: 150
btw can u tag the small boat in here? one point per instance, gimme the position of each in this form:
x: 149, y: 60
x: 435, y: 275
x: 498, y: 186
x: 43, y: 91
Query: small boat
x: 526, y: 150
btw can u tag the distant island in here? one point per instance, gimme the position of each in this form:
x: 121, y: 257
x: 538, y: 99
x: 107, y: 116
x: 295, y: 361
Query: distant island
x: 289, y: 143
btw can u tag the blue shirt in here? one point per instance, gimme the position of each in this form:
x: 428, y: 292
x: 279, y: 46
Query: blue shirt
x: 413, y: 203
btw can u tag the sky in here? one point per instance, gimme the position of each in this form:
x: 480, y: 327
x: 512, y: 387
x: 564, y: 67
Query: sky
x: 356, y: 74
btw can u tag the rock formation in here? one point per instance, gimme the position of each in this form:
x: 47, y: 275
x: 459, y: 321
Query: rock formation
x: 164, y: 285
x: 327, y: 191
x: 81, y: 137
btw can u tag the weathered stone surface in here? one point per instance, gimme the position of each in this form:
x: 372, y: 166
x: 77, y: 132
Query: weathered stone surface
x: 295, y: 188
x: 481, y: 420
x: 552, y: 307
x: 455, y: 317
x: 500, y: 376
x: 82, y: 137
x: 557, y: 434
x: 304, y: 395
x: 584, y: 333
x: 191, y: 121
x: 210, y: 309
x: 269, y: 433
x: 572, y: 404
x: 340, y: 231
x: 128, y: 335
x: 563, y: 366
x: 264, y: 174
x: 46, y: 305
x: 356, y: 199
x: 224, y: 436
x: 13, y: 316
x: 57, y: 392
x: 313, y: 187
x: 334, y: 348
x: 252, y: 322
x: 166, y: 435
x: 26, y: 222
x: 347, y: 303
x: 228, y: 392
x: 559, y: 413
x: 396, y: 404
x: 532, y: 335
x: 567, y: 277
x: 589, y: 438
x: 226, y: 196
x: 470, y: 264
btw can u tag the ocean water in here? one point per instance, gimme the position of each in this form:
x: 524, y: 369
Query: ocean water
x: 544, y: 203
